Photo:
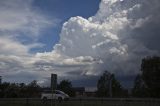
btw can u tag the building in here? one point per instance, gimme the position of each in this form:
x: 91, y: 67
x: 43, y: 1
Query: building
x: 90, y: 91
x: 79, y: 91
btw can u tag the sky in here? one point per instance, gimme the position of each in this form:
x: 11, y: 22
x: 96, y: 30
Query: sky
x: 76, y: 39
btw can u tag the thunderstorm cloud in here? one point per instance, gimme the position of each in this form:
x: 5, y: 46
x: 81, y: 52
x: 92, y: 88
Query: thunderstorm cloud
x: 116, y: 38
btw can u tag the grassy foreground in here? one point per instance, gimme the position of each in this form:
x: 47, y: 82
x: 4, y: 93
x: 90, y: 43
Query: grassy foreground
x: 30, y: 102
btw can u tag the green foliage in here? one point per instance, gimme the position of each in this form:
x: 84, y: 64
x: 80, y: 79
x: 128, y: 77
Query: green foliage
x: 15, y: 90
x: 148, y: 83
x: 150, y: 68
x: 66, y: 86
x: 33, y: 89
x: 103, y: 85
x: 139, y: 89
x: 108, y: 86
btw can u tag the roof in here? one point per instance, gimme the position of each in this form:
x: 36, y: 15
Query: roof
x: 79, y: 89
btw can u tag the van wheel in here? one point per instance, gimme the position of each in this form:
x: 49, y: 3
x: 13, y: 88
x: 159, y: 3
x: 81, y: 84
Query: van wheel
x: 60, y: 99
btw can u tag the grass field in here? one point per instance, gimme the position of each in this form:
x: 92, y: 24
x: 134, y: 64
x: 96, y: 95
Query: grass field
x: 96, y: 102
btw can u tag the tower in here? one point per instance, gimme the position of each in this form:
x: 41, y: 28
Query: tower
x: 53, y: 81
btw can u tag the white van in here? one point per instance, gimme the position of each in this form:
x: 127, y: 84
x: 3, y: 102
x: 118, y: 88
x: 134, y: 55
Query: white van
x: 57, y: 95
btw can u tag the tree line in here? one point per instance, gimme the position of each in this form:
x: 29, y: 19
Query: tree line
x: 19, y: 90
x: 146, y: 84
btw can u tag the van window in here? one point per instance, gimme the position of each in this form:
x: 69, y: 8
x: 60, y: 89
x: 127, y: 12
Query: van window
x: 57, y: 92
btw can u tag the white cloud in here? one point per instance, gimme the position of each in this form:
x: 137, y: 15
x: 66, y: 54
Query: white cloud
x: 19, y: 18
x: 11, y: 47
x: 109, y: 40
x: 104, y: 36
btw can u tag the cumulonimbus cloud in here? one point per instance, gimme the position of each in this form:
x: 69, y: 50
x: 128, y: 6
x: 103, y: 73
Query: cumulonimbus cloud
x: 116, y: 38
x: 108, y: 37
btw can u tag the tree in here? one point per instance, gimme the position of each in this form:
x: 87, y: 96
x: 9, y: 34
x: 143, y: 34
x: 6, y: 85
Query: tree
x: 150, y: 68
x: 4, y: 86
x: 12, y: 91
x: 23, y: 90
x: 9, y: 90
x: 33, y: 89
x: 16, y: 90
x: 66, y: 86
x: 108, y: 86
x: 139, y: 89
